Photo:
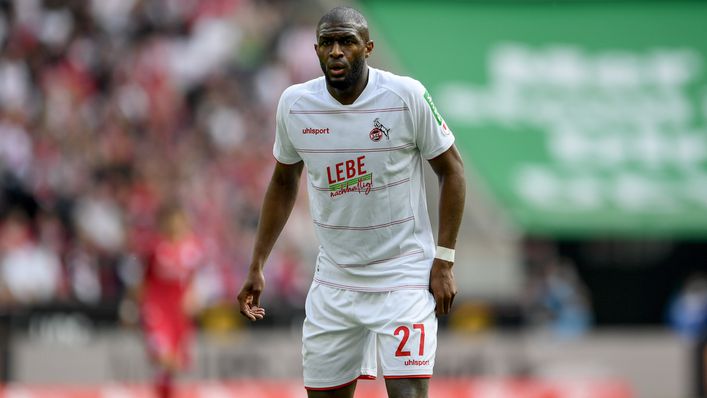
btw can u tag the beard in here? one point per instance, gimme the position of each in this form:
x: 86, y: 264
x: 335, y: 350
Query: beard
x: 349, y: 79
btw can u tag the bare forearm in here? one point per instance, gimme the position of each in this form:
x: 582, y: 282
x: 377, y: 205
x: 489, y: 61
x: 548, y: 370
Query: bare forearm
x: 449, y: 168
x: 277, y: 206
x: 451, y: 208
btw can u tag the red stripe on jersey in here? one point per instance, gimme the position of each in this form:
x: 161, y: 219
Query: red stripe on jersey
x: 339, y: 111
x: 355, y: 150
x: 366, y: 228
x: 411, y: 253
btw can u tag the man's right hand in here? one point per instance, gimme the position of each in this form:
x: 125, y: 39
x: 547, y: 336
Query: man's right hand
x: 249, y: 297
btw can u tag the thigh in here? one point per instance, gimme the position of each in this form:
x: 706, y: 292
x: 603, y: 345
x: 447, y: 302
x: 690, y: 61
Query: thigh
x: 333, y: 343
x: 160, y: 333
x: 407, y: 342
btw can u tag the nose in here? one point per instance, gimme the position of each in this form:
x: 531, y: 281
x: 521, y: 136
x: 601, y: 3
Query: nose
x: 336, y: 51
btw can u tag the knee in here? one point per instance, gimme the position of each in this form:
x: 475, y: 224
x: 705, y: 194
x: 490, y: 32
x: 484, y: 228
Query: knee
x: 407, y: 388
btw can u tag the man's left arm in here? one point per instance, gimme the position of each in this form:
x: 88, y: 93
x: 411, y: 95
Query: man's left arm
x: 452, y: 187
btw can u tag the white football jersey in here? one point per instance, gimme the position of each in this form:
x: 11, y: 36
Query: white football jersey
x: 365, y: 181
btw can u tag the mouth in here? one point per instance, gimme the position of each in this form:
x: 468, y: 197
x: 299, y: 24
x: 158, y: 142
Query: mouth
x: 337, y: 70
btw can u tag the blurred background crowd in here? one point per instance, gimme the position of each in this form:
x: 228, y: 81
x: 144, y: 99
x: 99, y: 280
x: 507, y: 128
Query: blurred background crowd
x: 108, y: 108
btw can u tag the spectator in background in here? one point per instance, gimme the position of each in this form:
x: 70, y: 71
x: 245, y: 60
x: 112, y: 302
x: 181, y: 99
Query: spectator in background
x: 29, y: 272
x: 688, y: 311
x: 687, y: 315
x: 557, y: 300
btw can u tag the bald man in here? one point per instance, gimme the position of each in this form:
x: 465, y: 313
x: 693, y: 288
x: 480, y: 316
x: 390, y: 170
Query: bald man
x: 380, y: 279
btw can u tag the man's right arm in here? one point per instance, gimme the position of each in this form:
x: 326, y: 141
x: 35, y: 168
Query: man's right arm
x: 277, y: 206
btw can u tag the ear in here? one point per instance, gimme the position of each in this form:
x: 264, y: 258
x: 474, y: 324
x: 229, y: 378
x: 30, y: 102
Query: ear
x: 316, y: 47
x: 369, y: 47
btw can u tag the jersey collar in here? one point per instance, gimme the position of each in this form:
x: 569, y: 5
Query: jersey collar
x: 370, y: 87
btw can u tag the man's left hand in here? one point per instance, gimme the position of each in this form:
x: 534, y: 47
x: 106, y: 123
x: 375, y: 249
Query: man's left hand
x: 442, y: 285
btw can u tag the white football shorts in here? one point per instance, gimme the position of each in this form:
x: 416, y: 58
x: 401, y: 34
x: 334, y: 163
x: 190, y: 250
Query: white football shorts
x: 344, y: 331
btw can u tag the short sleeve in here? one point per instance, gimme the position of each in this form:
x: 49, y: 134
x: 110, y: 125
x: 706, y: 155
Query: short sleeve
x: 433, y: 136
x: 283, y: 150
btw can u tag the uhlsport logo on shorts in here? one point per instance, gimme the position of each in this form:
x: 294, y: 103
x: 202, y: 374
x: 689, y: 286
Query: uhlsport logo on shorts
x: 379, y: 130
x: 415, y: 362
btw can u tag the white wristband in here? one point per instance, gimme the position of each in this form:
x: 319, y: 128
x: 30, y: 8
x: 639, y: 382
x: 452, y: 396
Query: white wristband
x: 444, y: 253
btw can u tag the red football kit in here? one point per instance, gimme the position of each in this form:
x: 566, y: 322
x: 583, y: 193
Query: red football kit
x: 169, y: 272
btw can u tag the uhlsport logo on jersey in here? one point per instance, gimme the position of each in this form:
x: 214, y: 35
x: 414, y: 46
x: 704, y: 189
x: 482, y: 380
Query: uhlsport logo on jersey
x: 349, y: 176
x: 309, y: 130
x: 379, y: 130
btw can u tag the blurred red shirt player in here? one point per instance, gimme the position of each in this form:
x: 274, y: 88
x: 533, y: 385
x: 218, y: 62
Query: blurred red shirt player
x: 166, y: 299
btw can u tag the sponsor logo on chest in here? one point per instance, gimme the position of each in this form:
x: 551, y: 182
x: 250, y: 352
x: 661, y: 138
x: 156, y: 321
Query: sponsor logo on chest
x: 349, y: 176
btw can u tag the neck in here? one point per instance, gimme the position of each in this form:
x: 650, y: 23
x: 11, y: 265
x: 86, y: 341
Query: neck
x: 348, y: 95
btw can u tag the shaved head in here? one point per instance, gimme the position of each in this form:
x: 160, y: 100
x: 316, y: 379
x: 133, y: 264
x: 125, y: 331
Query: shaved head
x: 342, y: 47
x: 346, y: 15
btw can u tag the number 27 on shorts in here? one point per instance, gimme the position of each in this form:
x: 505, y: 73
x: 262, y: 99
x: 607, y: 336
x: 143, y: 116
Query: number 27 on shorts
x: 405, y: 332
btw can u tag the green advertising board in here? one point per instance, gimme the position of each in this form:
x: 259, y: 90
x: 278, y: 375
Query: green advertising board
x: 583, y: 118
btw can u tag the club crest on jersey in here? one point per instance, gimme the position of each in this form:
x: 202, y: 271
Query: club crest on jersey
x: 379, y: 130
